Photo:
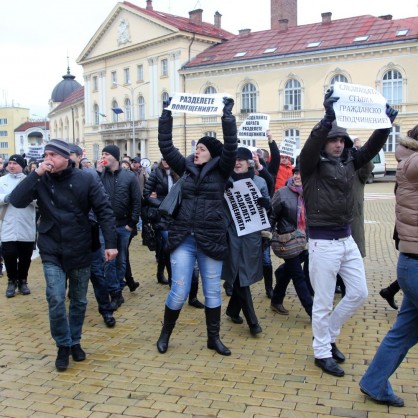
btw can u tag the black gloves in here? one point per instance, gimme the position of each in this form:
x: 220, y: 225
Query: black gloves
x: 165, y: 123
x: 391, y: 113
x: 229, y: 185
x: 228, y: 105
x: 229, y: 126
x: 264, y: 202
x: 328, y: 105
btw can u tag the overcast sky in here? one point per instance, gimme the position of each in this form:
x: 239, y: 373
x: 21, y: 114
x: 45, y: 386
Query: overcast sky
x: 37, y: 36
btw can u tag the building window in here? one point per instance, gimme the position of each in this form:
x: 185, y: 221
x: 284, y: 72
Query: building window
x: 164, y: 68
x: 126, y: 75
x: 96, y: 149
x: 114, y: 77
x: 249, y: 98
x: 4, y: 145
x: 95, y: 85
x: 3, y: 133
x: 128, y: 109
x: 96, y: 114
x: 292, y: 135
x: 392, y: 87
x: 141, y: 108
x: 21, y: 140
x: 114, y: 114
x: 292, y: 95
x: 211, y: 133
x: 3, y: 121
x: 140, y: 72
x: 210, y: 90
x: 248, y: 142
x: 393, y: 139
x: 338, y: 78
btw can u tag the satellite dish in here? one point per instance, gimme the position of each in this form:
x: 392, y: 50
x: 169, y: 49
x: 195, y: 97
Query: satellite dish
x: 145, y: 162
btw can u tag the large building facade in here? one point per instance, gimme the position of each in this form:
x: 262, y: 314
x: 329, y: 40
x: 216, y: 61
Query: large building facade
x: 10, y: 118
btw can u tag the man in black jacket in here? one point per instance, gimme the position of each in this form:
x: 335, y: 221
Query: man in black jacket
x: 65, y: 196
x: 125, y: 197
x: 328, y: 163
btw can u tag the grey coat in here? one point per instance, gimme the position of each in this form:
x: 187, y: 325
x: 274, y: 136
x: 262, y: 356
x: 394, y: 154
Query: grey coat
x: 245, y: 254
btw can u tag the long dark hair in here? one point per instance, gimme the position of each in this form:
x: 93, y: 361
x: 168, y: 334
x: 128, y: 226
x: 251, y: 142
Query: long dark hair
x: 413, y: 133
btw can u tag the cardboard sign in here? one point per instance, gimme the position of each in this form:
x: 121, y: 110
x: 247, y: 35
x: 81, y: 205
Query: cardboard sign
x: 242, y: 202
x: 254, y: 127
x: 207, y: 104
x: 360, y: 107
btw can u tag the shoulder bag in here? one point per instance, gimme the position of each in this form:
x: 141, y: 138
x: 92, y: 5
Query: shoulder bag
x: 288, y: 245
x: 171, y: 203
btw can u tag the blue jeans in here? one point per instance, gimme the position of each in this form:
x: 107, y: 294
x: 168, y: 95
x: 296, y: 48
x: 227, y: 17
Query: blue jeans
x: 115, y: 270
x: 267, y: 256
x: 99, y: 282
x: 66, y: 331
x: 183, y: 260
x: 402, y: 336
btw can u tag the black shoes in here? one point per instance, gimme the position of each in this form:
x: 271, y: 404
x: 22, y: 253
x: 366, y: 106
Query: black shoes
x: 255, y: 329
x: 279, y: 308
x: 109, y: 320
x: 63, y: 358
x: 329, y: 366
x: 23, y: 288
x: 214, y: 343
x: 11, y: 289
x: 235, y: 319
x: 228, y: 289
x: 77, y: 352
x: 269, y: 293
x: 132, y: 284
x: 196, y: 303
x: 337, y: 355
x: 392, y: 401
x: 389, y: 296
x: 161, y: 279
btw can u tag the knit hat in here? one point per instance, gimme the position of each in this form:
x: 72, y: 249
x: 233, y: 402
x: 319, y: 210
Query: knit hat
x: 58, y: 146
x: 213, y: 145
x: 244, y: 154
x: 75, y: 149
x: 112, y: 150
x: 18, y: 159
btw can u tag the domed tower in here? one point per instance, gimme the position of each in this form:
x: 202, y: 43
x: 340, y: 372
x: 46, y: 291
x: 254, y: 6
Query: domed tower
x: 63, y: 89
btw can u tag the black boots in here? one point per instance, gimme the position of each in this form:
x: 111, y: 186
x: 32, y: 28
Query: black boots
x: 23, y: 287
x: 213, y: 325
x: 63, y: 358
x: 160, y: 271
x: 389, y: 293
x: 11, y: 289
x: 131, y: 283
x: 268, y: 280
x: 170, y: 318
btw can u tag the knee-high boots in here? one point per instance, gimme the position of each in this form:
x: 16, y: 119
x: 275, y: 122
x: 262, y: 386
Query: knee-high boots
x: 268, y: 280
x: 170, y: 318
x: 213, y: 325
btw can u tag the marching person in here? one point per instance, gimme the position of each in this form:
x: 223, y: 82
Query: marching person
x: 328, y: 164
x: 197, y: 232
x: 65, y: 196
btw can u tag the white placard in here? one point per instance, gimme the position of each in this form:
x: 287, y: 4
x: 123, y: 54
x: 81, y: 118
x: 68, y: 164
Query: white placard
x: 360, y: 107
x: 288, y: 147
x: 242, y: 202
x: 254, y: 127
x: 207, y: 104
x: 35, y: 152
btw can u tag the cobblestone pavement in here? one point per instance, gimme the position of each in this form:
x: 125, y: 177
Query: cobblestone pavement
x: 270, y: 375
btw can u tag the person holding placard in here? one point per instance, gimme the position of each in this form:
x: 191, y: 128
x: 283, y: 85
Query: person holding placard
x: 328, y: 164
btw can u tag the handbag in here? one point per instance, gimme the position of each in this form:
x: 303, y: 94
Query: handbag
x: 288, y: 245
x: 171, y: 203
x: 148, y: 236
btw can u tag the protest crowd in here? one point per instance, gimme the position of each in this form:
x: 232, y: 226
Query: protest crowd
x: 214, y: 219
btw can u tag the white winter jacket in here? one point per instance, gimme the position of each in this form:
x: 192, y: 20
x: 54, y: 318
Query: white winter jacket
x: 18, y: 224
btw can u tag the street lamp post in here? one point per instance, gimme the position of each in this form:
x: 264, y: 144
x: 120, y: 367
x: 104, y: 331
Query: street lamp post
x: 132, y: 90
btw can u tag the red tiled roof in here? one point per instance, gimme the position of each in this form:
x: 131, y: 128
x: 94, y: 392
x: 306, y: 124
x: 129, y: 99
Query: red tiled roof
x: 183, y: 23
x: 74, y: 97
x: 335, y: 34
x: 27, y: 125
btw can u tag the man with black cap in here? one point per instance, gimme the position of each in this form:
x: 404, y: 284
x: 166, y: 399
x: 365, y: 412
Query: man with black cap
x: 125, y: 197
x: 328, y: 164
x: 18, y: 229
x: 65, y: 196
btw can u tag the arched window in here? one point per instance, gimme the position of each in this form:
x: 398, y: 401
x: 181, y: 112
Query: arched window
x: 292, y: 95
x: 141, y: 108
x: 211, y: 133
x: 210, y: 90
x: 249, y: 98
x: 339, y: 77
x: 393, y: 139
x: 128, y: 109
x: 392, y: 86
x: 114, y: 114
x: 96, y: 114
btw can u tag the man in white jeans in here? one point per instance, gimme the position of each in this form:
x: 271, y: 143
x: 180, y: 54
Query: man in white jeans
x: 328, y: 163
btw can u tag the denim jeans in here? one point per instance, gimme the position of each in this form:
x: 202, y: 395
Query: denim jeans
x: 183, y: 260
x: 267, y: 256
x: 402, y: 336
x: 99, y: 282
x: 115, y: 269
x: 66, y: 330
x: 327, y: 258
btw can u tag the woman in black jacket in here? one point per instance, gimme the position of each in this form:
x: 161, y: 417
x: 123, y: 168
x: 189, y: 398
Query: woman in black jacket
x: 198, y: 230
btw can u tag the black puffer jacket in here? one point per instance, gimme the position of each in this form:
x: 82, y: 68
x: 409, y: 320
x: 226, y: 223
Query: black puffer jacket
x: 64, y: 202
x: 201, y: 210
x: 125, y: 196
x: 328, y: 182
